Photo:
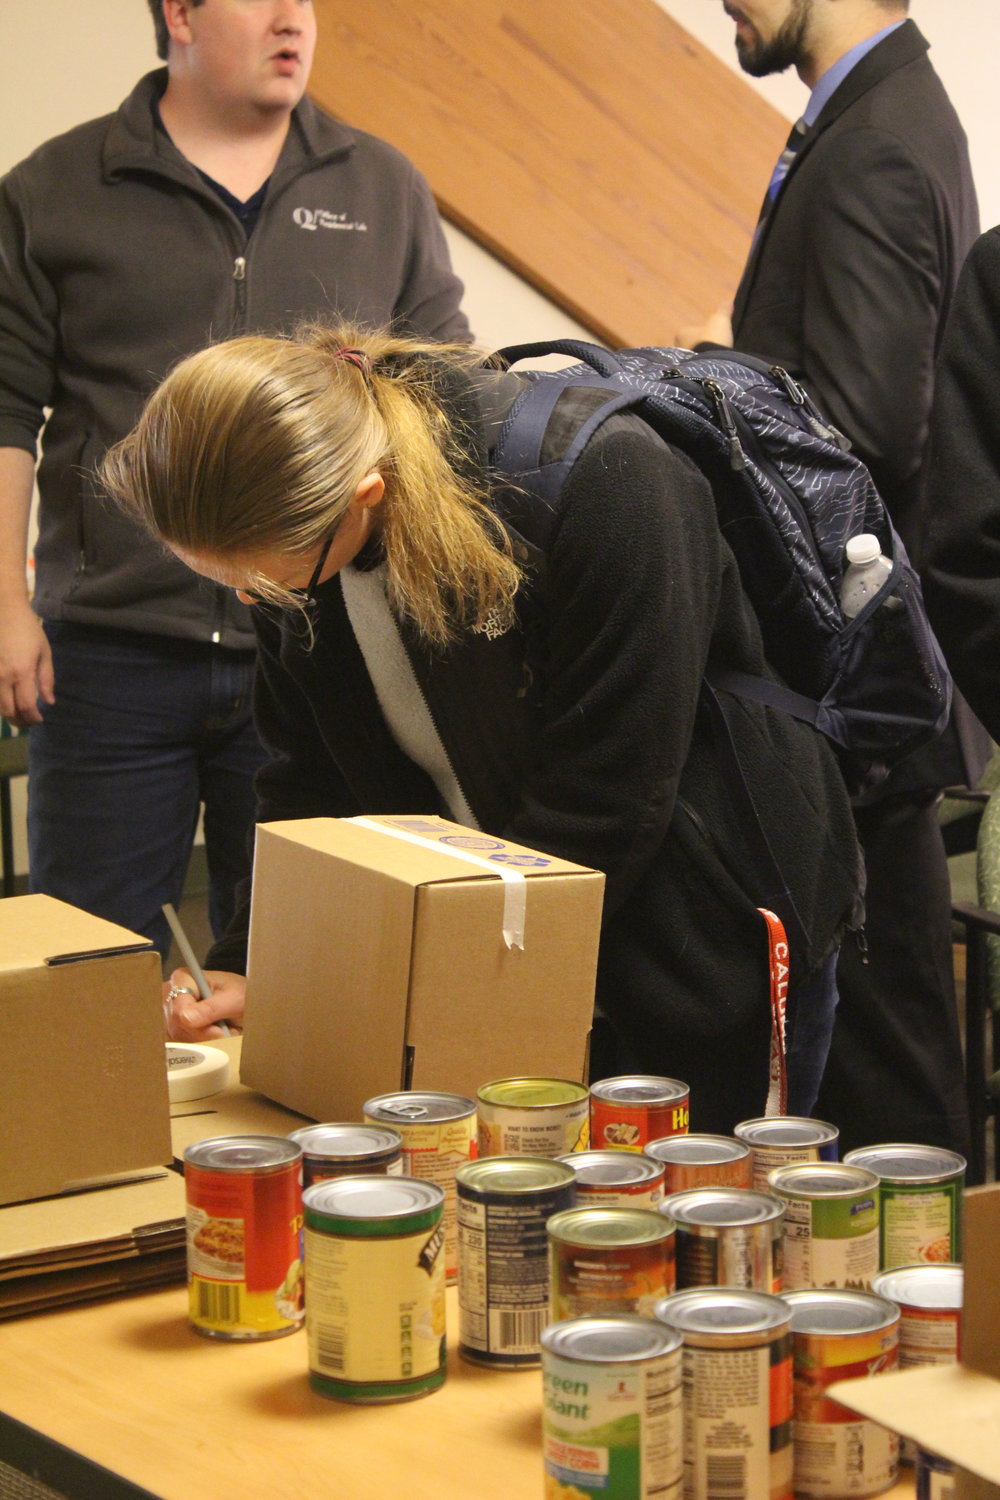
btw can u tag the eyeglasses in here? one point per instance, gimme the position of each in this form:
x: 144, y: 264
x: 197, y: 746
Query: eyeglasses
x: 313, y: 584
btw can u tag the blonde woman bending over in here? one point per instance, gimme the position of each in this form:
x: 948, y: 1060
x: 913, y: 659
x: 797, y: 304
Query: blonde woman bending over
x: 416, y: 655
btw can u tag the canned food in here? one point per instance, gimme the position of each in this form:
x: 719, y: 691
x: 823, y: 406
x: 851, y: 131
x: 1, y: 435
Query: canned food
x: 737, y: 1365
x: 920, y: 1201
x: 609, y: 1260
x: 929, y: 1299
x: 629, y: 1111
x: 935, y: 1477
x: 617, y: 1179
x: 838, y: 1334
x: 691, y: 1161
x: 831, y: 1224
x: 504, y: 1203
x: 244, y: 1220
x: 533, y: 1117
x: 347, y: 1150
x: 612, y: 1409
x: 728, y: 1237
x: 438, y: 1133
x: 374, y: 1288
x: 785, y: 1140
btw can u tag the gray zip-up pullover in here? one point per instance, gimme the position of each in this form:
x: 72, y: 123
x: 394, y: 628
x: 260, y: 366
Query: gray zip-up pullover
x: 116, y: 260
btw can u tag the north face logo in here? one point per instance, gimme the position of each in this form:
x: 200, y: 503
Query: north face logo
x: 322, y: 218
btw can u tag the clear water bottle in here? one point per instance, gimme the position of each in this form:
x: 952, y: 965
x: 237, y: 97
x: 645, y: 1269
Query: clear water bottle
x: 864, y: 575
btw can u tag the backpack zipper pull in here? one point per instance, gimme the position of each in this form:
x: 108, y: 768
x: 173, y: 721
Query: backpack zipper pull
x: 737, y: 458
x: 800, y: 397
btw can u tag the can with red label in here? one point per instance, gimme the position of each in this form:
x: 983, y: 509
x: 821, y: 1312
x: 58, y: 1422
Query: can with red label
x: 737, y: 1366
x: 629, y: 1111
x: 840, y: 1334
x: 347, y: 1150
x: 244, y: 1221
x: 609, y: 1260
x: 616, y: 1179
x: 929, y: 1299
x: 438, y: 1134
x: 691, y: 1161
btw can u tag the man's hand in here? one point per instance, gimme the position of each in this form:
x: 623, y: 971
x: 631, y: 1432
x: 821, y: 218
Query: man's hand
x: 189, y: 1019
x: 718, y: 329
x: 25, y: 665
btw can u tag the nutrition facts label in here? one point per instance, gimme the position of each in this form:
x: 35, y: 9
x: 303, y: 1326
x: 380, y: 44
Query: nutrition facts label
x: 504, y: 1284
x: 728, y: 1425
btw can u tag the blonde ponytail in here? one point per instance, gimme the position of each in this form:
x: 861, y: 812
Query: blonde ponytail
x: 258, y: 445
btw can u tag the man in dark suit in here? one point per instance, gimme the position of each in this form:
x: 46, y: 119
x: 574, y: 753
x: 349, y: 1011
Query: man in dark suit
x: 865, y: 224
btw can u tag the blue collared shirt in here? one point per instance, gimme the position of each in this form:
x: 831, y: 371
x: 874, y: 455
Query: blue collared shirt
x: 830, y: 81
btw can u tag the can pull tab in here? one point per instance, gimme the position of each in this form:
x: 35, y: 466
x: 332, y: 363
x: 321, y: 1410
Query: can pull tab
x: 406, y: 1111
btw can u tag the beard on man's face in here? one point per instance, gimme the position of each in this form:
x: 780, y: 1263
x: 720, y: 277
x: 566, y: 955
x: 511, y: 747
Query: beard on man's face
x: 782, y: 51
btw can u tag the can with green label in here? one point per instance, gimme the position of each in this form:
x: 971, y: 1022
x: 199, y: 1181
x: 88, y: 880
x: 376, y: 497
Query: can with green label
x: 374, y: 1264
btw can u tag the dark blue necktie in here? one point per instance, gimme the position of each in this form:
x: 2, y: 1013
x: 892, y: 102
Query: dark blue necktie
x: 782, y: 166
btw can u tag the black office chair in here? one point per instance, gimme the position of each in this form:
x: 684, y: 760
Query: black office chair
x: 13, y: 762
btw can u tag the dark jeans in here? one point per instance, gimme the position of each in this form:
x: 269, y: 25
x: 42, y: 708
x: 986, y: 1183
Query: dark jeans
x: 144, y: 730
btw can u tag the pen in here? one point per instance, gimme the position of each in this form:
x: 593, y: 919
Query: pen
x: 187, y: 953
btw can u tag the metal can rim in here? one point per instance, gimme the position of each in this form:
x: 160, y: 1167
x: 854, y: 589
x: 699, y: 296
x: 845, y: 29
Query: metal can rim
x: 662, y: 1338
x: 284, y: 1153
x: 569, y: 1227
x: 459, y: 1106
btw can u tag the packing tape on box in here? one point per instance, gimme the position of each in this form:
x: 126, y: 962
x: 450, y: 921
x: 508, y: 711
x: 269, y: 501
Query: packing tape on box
x: 194, y: 1071
x: 515, y: 885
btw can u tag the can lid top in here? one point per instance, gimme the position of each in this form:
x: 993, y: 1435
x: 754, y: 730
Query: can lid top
x: 372, y: 1197
x: 822, y: 1179
x: 532, y: 1093
x: 609, y: 1226
x: 345, y: 1139
x: 410, y: 1106
x: 910, y: 1162
x: 514, y: 1174
x: 932, y: 1286
x: 722, y: 1205
x: 611, y: 1166
x: 839, y: 1310
x: 786, y: 1130
x: 243, y: 1153
x: 718, y: 1309
x: 697, y: 1150
x: 639, y: 1088
x: 600, y: 1340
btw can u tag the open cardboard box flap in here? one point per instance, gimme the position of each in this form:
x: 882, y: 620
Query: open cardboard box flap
x: 953, y: 1410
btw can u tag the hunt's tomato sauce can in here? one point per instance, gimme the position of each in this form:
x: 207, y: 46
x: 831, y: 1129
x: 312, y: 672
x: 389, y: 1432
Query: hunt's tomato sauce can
x: 244, y: 1225
x: 628, y: 1112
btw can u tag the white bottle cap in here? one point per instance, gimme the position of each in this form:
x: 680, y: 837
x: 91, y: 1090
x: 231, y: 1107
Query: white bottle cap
x: 864, y: 548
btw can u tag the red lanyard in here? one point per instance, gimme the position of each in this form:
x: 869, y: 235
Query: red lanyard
x: 778, y: 960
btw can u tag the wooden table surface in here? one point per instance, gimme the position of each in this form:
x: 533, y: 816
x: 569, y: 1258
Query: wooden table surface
x: 130, y: 1386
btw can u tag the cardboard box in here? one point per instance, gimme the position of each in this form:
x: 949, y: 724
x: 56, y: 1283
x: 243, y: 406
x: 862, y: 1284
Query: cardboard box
x: 954, y: 1410
x: 84, y: 1095
x: 379, y: 961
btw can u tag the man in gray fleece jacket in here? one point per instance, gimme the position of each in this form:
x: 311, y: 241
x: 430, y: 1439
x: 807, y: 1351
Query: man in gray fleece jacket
x: 217, y: 200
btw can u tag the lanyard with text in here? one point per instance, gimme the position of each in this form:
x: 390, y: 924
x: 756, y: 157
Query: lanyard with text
x: 777, y: 952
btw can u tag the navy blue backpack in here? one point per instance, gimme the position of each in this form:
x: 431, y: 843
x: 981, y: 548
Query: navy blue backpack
x: 789, y: 495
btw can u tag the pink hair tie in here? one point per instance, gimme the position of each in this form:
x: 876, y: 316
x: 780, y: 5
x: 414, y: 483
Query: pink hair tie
x: 356, y: 357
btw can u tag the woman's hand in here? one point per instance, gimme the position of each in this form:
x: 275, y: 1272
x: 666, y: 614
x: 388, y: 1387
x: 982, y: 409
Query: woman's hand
x: 189, y: 1019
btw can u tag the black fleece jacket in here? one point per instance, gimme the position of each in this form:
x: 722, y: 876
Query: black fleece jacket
x: 582, y: 735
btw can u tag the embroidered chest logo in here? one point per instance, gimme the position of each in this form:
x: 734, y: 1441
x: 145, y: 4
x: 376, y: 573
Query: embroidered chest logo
x: 322, y: 218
